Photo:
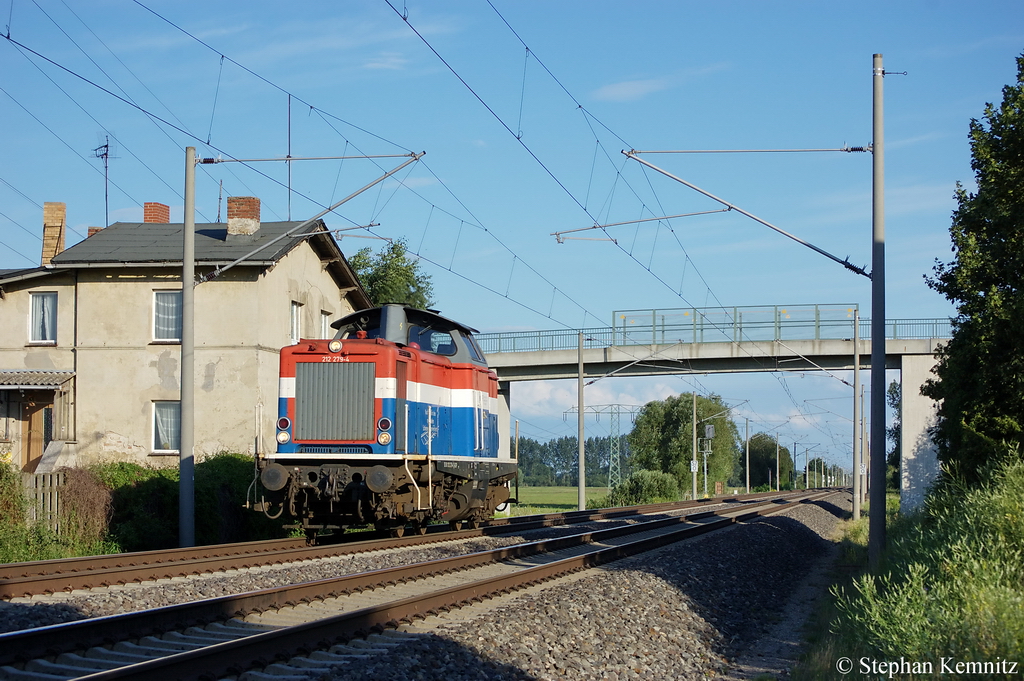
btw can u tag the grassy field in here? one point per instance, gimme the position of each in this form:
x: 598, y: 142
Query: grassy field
x: 533, y: 500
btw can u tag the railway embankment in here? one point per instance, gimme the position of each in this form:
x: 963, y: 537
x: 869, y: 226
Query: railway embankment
x: 950, y: 591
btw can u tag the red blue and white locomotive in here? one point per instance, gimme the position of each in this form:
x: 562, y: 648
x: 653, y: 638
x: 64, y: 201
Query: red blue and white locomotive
x: 393, y: 422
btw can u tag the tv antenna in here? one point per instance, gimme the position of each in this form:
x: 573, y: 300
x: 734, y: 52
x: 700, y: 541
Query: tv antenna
x: 106, y: 152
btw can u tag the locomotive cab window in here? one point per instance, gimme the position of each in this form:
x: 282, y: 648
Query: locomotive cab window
x: 474, y: 350
x: 433, y: 340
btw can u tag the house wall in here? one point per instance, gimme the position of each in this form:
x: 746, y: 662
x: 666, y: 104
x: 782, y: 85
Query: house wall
x: 18, y: 353
x: 242, y: 321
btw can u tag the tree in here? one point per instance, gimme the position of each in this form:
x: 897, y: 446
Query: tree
x: 391, y: 276
x: 762, y: 461
x: 894, y: 434
x: 980, y: 372
x: 662, y: 439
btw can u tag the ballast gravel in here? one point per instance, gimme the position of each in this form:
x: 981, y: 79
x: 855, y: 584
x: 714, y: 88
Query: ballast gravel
x: 685, y: 611
x: 43, y: 610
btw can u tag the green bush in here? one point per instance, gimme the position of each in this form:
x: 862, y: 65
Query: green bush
x: 145, y: 504
x: 953, y: 581
x: 221, y: 484
x: 641, y: 487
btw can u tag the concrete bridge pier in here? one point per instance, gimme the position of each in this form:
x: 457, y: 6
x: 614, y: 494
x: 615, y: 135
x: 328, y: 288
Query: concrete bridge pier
x: 919, y: 463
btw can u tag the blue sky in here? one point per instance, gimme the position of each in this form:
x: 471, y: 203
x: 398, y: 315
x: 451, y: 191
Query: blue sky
x: 523, y: 109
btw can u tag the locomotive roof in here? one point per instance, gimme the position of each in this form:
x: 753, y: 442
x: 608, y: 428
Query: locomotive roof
x: 410, y: 312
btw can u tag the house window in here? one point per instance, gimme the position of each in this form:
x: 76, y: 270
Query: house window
x: 296, y: 324
x: 325, y: 325
x: 167, y: 316
x: 167, y: 426
x: 44, y: 319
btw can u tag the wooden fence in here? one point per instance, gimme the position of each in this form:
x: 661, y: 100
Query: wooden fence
x: 43, y: 493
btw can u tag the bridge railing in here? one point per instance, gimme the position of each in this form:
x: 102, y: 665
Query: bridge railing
x: 714, y: 325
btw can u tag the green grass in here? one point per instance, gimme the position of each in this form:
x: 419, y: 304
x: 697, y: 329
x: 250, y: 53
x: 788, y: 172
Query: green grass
x: 951, y: 583
x: 535, y: 500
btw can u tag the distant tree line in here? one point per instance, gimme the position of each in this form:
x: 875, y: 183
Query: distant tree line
x: 556, y: 462
x: 662, y: 441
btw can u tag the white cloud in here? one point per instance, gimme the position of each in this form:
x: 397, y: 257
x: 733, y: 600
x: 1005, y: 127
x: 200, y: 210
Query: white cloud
x: 393, y: 61
x: 630, y: 90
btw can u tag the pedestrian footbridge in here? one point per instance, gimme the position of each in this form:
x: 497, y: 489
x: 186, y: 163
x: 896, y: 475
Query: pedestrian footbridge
x: 736, y: 340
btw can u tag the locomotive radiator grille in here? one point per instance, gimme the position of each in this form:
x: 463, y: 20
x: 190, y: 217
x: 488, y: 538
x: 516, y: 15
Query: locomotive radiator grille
x: 334, y: 401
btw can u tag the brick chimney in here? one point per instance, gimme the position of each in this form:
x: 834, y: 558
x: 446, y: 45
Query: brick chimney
x: 156, y: 212
x: 93, y: 230
x: 54, y: 222
x: 243, y: 215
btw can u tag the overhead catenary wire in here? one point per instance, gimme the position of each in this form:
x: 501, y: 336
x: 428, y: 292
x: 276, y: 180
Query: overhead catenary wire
x: 322, y: 114
x: 565, y: 189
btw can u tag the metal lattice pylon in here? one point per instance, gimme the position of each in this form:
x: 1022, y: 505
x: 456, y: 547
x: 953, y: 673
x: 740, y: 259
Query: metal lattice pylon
x: 614, y: 468
x: 615, y: 450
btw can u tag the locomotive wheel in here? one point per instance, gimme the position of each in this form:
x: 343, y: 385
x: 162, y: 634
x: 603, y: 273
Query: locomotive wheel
x: 474, y: 524
x: 455, y: 525
x: 398, y: 532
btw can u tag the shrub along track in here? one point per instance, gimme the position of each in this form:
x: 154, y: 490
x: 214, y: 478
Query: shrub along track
x: 50, y: 576
x: 328, y: 613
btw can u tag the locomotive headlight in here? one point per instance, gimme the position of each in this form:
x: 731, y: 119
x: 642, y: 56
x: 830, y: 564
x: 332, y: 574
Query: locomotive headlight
x: 384, y: 438
x: 283, y: 437
x: 384, y: 424
x: 334, y: 345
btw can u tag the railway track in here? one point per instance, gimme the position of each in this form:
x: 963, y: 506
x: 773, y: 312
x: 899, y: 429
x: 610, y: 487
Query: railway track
x: 51, y: 576
x: 226, y: 636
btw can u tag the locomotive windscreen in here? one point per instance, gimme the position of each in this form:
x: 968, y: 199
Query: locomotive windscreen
x: 334, y: 400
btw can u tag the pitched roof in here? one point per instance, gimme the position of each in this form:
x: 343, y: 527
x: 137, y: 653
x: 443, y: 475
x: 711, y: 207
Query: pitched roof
x: 125, y: 244
x: 141, y: 242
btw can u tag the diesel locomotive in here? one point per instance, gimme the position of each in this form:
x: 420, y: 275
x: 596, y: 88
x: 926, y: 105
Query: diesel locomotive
x: 393, y: 422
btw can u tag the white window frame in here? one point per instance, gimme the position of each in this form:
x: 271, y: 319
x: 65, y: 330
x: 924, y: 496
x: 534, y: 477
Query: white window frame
x: 158, y: 447
x: 156, y: 295
x: 325, y: 325
x: 32, y: 327
x: 295, y: 330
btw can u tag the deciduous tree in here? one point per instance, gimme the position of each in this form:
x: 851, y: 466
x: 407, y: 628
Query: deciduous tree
x: 391, y: 276
x: 980, y: 374
x: 662, y: 439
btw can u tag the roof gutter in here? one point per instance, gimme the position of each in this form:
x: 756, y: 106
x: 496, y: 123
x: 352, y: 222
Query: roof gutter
x: 31, y: 275
x: 160, y: 263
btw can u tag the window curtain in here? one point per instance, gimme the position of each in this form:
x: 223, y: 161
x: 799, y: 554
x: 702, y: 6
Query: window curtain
x: 167, y: 426
x: 167, y: 317
x: 44, y: 317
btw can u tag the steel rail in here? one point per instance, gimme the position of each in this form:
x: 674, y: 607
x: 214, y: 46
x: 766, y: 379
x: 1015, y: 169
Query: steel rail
x: 139, y: 558
x: 61, y: 638
x: 260, y: 650
x: 26, y: 579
